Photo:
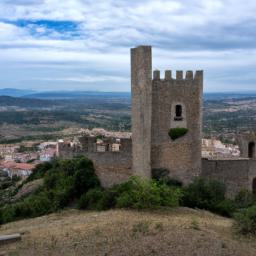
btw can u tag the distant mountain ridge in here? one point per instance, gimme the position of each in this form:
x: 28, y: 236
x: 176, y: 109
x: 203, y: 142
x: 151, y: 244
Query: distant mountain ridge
x: 15, y: 92
x: 8, y: 101
x: 127, y: 95
x: 77, y: 94
x: 62, y: 95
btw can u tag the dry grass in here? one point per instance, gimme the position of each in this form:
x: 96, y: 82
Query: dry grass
x: 175, y: 232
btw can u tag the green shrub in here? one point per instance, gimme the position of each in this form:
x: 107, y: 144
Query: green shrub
x: 64, y: 182
x: 61, y: 198
x: 83, y: 181
x: 246, y: 221
x: 144, y: 194
x: 225, y: 208
x: 30, y: 207
x: 244, y: 199
x: 162, y: 175
x: 92, y: 199
x: 176, y: 133
x: 7, y: 214
x: 207, y: 195
x: 39, y: 171
x: 135, y: 193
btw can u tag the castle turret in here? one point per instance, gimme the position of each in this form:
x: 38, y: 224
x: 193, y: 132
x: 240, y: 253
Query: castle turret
x: 177, y: 124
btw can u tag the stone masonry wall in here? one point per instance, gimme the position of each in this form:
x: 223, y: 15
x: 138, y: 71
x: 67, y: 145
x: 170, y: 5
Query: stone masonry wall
x: 235, y: 174
x: 181, y: 157
x: 111, y: 167
x: 243, y: 141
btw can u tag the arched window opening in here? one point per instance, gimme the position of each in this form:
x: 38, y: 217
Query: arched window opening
x: 178, y: 113
x: 254, y: 186
x: 251, y: 150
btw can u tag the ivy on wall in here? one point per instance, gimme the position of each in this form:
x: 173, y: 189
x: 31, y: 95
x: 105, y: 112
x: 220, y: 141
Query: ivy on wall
x: 176, y: 133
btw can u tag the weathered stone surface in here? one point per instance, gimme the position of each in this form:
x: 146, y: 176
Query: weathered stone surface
x: 244, y: 140
x: 181, y: 157
x: 235, y: 174
x: 141, y: 85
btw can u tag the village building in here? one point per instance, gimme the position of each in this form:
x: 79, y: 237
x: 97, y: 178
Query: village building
x: 22, y: 170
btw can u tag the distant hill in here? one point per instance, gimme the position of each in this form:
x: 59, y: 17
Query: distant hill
x: 91, y: 95
x: 61, y: 95
x: 78, y: 94
x: 15, y: 92
x: 7, y: 101
x: 228, y: 95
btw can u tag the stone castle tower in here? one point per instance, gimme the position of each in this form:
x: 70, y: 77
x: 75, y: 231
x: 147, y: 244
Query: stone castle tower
x: 159, y: 105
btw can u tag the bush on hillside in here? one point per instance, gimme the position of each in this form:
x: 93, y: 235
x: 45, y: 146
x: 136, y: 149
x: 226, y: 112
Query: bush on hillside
x: 244, y: 199
x: 143, y: 194
x: 32, y: 206
x: 225, y: 208
x: 135, y: 193
x: 246, y: 221
x: 207, y: 195
x: 92, y: 200
x: 162, y: 175
x: 40, y: 170
x: 64, y: 182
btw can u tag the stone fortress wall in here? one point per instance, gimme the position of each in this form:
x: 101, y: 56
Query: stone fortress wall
x: 157, y: 106
x: 239, y: 173
x: 236, y: 174
x: 112, y: 165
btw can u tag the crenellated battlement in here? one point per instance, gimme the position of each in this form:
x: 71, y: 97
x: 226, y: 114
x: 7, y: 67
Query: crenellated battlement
x: 189, y: 75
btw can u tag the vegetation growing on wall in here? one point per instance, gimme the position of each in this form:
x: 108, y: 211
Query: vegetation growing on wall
x: 176, y: 133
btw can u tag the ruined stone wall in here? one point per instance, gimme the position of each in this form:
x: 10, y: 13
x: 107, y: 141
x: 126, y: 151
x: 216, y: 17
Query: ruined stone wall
x: 182, y: 157
x: 235, y: 174
x: 243, y: 141
x: 111, y: 167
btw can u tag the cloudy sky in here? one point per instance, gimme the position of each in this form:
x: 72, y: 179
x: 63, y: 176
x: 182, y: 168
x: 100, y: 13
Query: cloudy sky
x: 84, y: 44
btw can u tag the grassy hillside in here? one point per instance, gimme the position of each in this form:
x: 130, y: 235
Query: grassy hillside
x: 180, y: 231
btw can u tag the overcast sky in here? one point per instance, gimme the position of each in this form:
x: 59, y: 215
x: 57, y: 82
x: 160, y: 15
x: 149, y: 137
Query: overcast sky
x: 84, y: 44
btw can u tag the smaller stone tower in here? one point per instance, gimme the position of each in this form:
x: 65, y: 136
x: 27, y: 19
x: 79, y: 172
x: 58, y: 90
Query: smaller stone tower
x: 159, y: 105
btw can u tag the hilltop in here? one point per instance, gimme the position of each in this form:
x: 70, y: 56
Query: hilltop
x: 180, y: 231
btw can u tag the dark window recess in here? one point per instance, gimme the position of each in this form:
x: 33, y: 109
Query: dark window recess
x: 251, y: 150
x: 178, y: 113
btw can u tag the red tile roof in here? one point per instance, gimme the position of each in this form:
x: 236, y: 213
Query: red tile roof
x: 17, y: 166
